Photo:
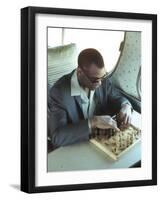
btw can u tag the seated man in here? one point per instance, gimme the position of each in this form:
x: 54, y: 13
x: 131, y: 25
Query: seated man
x: 83, y: 100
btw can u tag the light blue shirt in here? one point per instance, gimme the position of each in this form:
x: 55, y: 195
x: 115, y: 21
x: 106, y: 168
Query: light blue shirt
x: 88, y: 104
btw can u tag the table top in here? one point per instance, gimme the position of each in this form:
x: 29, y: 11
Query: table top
x: 86, y: 156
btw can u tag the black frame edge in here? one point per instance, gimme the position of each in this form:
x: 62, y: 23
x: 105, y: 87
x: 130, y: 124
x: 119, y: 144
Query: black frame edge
x: 27, y: 100
x: 93, y: 186
x: 24, y: 100
x: 154, y: 99
x: 92, y: 13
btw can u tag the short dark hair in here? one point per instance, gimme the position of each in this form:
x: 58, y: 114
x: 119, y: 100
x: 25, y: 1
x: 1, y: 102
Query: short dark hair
x: 90, y: 56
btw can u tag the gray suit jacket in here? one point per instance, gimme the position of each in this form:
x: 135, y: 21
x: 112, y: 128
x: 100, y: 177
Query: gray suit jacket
x: 66, y: 123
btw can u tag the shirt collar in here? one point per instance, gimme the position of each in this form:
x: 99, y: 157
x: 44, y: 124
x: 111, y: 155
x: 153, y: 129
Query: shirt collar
x: 76, y: 89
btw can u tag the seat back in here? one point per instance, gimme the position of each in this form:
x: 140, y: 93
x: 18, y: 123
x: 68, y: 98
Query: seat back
x: 61, y: 60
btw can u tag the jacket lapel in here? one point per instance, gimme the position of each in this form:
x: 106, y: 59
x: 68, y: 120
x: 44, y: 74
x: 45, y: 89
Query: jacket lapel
x: 79, y: 104
x: 98, y: 98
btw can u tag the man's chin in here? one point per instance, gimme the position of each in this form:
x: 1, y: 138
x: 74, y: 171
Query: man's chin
x: 94, y: 87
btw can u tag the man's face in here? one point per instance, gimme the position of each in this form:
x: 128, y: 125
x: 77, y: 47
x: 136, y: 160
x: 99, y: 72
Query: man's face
x: 91, y: 76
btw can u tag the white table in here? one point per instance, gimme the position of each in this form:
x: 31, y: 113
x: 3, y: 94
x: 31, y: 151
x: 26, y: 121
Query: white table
x: 85, y: 156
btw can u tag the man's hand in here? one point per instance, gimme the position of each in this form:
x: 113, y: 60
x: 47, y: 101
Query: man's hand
x: 104, y: 122
x: 125, y: 115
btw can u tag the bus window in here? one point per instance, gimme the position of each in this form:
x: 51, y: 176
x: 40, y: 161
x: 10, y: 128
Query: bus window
x: 106, y: 41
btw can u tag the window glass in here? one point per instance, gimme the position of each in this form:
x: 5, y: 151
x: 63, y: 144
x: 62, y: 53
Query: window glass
x: 54, y: 37
x: 105, y: 41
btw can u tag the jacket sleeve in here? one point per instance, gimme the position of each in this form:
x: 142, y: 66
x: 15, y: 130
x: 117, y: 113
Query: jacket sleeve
x: 61, y: 131
x: 115, y: 98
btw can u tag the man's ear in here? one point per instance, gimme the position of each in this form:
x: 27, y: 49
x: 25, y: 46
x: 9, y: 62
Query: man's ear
x: 78, y: 71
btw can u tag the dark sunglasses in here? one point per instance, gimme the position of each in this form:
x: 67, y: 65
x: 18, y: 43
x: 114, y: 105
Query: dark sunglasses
x: 95, y: 80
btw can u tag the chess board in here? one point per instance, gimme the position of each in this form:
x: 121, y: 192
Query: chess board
x: 115, y: 144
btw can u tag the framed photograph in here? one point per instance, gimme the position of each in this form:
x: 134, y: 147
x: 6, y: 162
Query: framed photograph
x: 88, y: 99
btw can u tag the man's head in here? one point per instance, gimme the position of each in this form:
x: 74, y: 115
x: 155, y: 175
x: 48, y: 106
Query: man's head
x: 90, y: 69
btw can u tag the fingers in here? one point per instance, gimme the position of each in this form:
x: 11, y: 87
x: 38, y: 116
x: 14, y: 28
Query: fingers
x: 114, y: 125
x: 106, y: 122
x: 116, y: 129
x: 124, y: 116
x: 125, y: 119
